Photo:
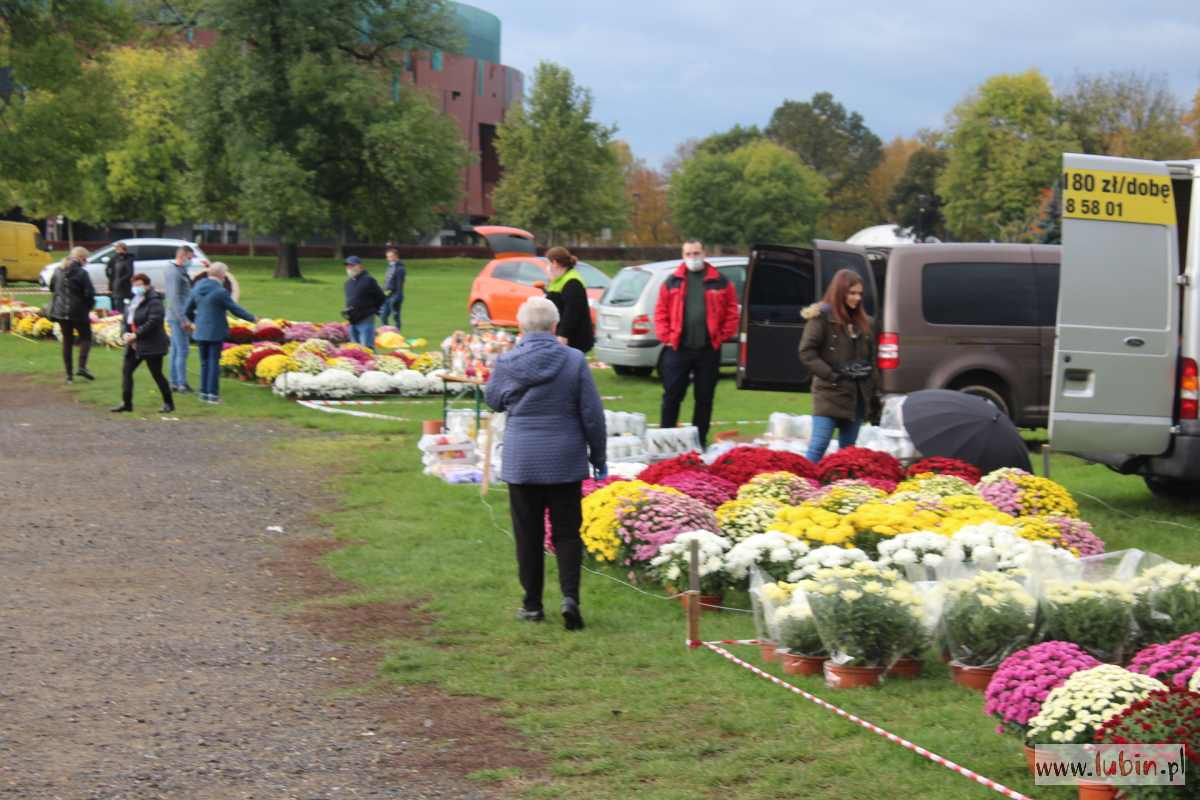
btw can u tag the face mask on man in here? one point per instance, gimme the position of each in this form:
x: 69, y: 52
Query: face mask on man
x: 694, y: 264
x: 139, y: 290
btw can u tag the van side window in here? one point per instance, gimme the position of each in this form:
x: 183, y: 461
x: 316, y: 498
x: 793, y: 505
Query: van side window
x: 979, y: 294
x: 780, y: 290
x: 1046, y: 276
x: 155, y: 252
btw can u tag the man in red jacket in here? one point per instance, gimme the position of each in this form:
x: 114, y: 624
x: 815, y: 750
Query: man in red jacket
x: 697, y: 311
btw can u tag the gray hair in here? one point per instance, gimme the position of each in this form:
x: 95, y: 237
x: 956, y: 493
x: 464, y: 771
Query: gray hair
x: 218, y: 270
x: 80, y: 252
x: 537, y: 314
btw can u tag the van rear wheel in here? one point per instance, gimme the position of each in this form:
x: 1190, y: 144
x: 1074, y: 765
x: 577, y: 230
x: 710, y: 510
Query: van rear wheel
x: 1171, y: 488
x: 987, y: 392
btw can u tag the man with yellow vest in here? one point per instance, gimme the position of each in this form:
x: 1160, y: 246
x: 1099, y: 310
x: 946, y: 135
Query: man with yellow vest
x: 569, y: 293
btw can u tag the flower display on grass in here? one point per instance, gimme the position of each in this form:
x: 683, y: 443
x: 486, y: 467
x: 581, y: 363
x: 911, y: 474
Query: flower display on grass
x: 601, y: 527
x: 588, y: 486
x: 1024, y: 680
x: 390, y: 364
x: 773, y: 552
x: 708, y: 489
x: 815, y: 525
x: 1161, y: 717
x: 322, y: 347
x: 241, y: 332
x: 875, y: 522
x: 300, y: 332
x: 308, y: 362
x: 785, y: 487
x: 268, y: 331
x: 945, y: 466
x: 336, y: 332
x: 1074, y: 535
x: 1096, y: 615
x: 351, y: 365
x: 861, y: 463
x: 845, y: 496
x: 1174, y: 663
x: 986, y: 618
x: 1074, y: 711
x: 648, y: 520
x: 916, y: 554
x: 741, y: 519
x: 688, y: 462
x: 825, y: 557
x: 1168, y: 602
x: 233, y: 358
x: 428, y: 362
x: 796, y: 628
x: 1017, y: 492
x: 329, y: 383
x: 989, y: 545
x: 257, y: 354
x: 929, y: 483
x: 741, y: 464
x: 865, y: 616
x: 271, y: 367
x: 672, y: 564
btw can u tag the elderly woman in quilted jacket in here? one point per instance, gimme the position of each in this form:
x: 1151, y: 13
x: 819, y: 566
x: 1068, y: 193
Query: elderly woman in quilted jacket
x: 554, y: 428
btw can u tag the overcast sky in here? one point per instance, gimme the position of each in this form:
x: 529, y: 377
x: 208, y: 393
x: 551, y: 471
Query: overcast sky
x: 666, y: 70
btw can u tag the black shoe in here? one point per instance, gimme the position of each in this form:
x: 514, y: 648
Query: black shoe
x: 572, y: 619
x: 167, y: 408
x: 121, y: 409
x: 83, y: 373
x: 185, y: 389
x: 525, y: 615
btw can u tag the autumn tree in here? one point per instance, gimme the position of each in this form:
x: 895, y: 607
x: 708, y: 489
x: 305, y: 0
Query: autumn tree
x: 1004, y: 146
x: 1127, y: 114
x: 914, y: 201
x: 883, y: 179
x: 562, y: 178
x: 1192, y: 121
x: 646, y: 197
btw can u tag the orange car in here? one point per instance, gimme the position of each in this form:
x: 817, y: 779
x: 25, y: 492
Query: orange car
x: 516, y: 273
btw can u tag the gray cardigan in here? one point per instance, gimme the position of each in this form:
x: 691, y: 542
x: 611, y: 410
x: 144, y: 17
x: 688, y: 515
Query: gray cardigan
x: 177, y: 288
x: 555, y: 423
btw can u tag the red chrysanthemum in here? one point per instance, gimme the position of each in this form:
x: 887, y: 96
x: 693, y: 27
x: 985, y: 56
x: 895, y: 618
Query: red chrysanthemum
x: 742, y: 463
x: 859, y: 463
x: 688, y: 462
x: 946, y: 466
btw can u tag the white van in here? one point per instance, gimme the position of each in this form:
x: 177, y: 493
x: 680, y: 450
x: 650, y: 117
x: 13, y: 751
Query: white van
x: 1125, y: 387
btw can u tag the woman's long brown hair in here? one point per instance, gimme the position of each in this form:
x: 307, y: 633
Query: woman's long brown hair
x: 835, y: 298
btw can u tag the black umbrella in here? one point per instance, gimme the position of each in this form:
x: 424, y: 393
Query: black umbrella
x: 966, y: 427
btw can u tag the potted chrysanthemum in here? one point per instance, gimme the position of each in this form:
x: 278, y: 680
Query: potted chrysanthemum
x: 1159, y: 718
x: 774, y: 552
x: 672, y: 566
x: 1096, y: 616
x: 1168, y: 602
x: 985, y: 618
x: 797, y: 634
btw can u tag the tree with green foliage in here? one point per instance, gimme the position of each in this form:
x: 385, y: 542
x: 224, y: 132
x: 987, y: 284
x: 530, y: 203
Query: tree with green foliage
x: 760, y: 192
x: 727, y: 141
x: 1127, y: 114
x: 298, y: 130
x: 915, y: 202
x: 49, y: 125
x: 838, y: 145
x: 1004, y: 146
x: 561, y: 177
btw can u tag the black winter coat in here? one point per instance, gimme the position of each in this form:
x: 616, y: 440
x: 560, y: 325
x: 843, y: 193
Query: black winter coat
x: 119, y: 272
x: 148, y: 325
x: 574, y: 316
x: 825, y: 345
x: 74, y: 295
x: 363, y: 297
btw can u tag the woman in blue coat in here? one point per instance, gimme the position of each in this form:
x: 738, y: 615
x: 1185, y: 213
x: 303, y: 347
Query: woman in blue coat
x: 554, y: 428
x: 206, y: 309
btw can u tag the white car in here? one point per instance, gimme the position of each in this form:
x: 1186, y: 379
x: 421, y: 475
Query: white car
x: 150, y: 256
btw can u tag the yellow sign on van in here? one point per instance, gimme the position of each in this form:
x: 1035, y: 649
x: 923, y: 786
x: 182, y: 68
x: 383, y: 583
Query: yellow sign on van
x: 1117, y: 196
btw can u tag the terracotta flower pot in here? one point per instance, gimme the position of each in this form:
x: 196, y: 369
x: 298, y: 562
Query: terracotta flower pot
x: 842, y: 677
x: 431, y: 426
x: 803, y: 665
x: 908, y: 668
x: 976, y: 678
x: 768, y: 651
x: 1097, y: 791
x: 708, y: 602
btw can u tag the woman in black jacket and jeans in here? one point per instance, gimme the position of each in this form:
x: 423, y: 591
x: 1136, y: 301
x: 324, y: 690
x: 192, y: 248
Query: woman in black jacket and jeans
x: 74, y: 297
x: 569, y: 294
x: 145, y: 340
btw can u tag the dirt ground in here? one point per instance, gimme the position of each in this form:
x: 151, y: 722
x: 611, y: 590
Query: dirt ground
x: 150, y: 644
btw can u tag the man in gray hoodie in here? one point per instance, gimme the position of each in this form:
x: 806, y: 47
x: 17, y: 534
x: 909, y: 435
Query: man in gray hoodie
x: 554, y: 427
x: 178, y: 290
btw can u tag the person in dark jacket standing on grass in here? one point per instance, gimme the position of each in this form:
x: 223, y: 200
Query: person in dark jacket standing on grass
x: 393, y: 286
x: 697, y: 312
x: 71, y: 308
x: 568, y: 292
x: 119, y: 271
x: 206, y: 310
x: 554, y: 427
x: 838, y: 348
x: 145, y: 337
x: 363, y: 299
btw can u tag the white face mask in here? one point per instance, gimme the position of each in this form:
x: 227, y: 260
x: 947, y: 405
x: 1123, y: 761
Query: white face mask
x: 694, y: 264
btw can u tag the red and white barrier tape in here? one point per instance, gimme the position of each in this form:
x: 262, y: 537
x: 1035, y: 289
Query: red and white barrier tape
x: 319, y: 406
x: 1013, y: 794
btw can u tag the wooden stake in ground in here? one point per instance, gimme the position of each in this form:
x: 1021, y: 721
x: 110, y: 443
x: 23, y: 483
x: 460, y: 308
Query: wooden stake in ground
x: 693, y: 594
x: 486, y: 480
x: 1046, y: 461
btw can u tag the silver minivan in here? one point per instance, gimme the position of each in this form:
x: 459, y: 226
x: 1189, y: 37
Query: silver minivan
x: 625, y: 337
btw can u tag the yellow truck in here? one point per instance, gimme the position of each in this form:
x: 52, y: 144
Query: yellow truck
x: 22, y: 252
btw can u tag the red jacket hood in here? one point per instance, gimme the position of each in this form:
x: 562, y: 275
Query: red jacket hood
x: 710, y: 272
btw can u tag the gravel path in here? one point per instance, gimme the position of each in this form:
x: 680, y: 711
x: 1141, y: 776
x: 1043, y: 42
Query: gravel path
x: 143, y: 650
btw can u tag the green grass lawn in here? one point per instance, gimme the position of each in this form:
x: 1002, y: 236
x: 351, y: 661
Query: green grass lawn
x: 623, y: 707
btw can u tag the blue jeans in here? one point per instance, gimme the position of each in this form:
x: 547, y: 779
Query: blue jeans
x: 392, y: 306
x: 179, y: 353
x: 364, y: 332
x: 210, y: 368
x: 822, y: 432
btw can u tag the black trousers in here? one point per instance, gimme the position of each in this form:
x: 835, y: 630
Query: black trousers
x: 529, y: 503
x: 70, y: 329
x: 154, y: 364
x: 680, y: 367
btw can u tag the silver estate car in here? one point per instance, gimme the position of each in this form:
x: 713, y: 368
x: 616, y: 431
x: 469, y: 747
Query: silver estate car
x: 150, y: 256
x: 625, y: 315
